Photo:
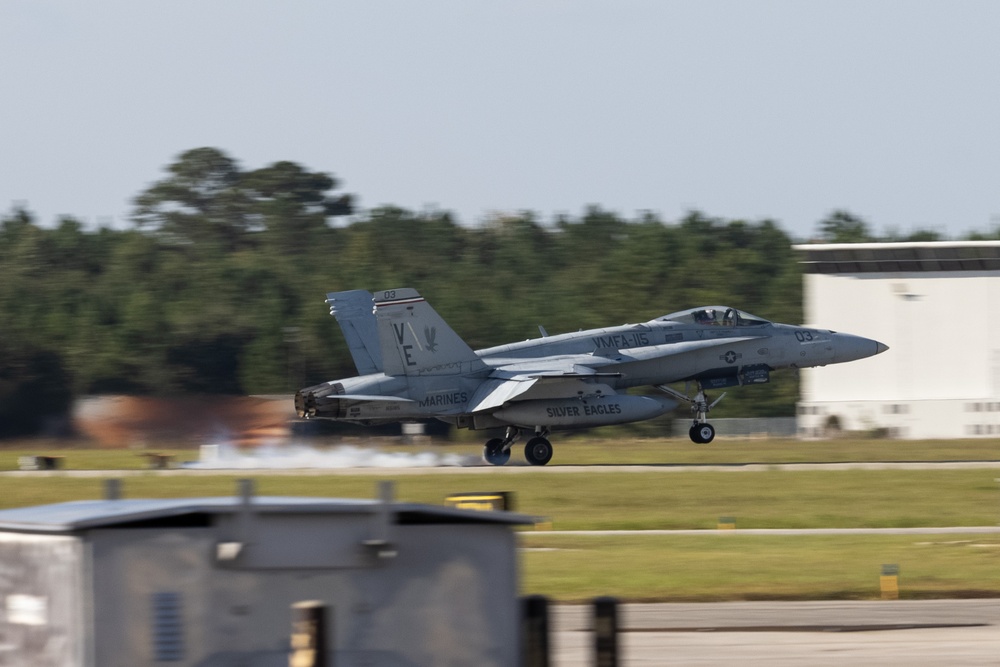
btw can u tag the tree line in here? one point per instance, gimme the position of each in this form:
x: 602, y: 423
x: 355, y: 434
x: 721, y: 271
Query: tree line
x: 218, y: 286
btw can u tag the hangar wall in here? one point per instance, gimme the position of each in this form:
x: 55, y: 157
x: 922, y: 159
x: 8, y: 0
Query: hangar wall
x: 937, y: 307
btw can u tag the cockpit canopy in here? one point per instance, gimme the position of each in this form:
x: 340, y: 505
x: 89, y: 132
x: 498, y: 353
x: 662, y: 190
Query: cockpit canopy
x: 719, y: 316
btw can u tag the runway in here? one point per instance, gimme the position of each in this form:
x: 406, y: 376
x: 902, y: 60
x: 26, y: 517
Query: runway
x: 908, y: 632
x: 472, y: 466
x: 926, y: 530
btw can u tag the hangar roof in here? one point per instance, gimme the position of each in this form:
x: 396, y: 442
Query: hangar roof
x: 75, y: 516
x: 900, y: 257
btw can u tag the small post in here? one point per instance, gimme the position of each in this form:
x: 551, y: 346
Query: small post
x: 245, y: 488
x: 113, y: 489
x: 309, y: 641
x: 889, y: 581
x: 380, y: 543
x: 535, y: 631
x: 383, y: 515
x: 727, y: 523
x: 606, y: 632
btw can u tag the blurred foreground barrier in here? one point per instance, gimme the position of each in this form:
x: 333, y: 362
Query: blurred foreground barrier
x: 889, y: 582
x: 309, y: 645
x: 535, y: 631
x: 606, y: 632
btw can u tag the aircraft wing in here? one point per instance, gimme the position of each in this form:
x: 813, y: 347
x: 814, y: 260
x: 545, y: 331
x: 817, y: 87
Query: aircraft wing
x: 551, y: 377
x: 683, y: 347
x: 492, y: 394
x: 582, y: 365
x: 568, y: 376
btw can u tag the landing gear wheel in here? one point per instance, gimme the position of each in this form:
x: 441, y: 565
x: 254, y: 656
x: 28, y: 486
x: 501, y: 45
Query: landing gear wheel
x: 538, y: 451
x: 494, y: 454
x: 702, y: 433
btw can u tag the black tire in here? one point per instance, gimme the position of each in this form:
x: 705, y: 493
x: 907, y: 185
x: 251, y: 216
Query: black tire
x: 494, y: 454
x: 706, y: 433
x: 693, y: 434
x: 538, y: 451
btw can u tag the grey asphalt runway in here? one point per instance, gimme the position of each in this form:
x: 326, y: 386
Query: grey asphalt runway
x: 474, y: 467
x: 901, y: 632
x: 927, y: 530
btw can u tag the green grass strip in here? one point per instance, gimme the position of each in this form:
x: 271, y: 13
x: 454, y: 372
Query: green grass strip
x: 740, y: 567
x: 619, y: 500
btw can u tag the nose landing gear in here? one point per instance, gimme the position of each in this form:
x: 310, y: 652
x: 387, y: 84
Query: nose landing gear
x: 701, y: 432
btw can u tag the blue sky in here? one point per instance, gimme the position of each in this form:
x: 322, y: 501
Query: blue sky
x: 740, y: 109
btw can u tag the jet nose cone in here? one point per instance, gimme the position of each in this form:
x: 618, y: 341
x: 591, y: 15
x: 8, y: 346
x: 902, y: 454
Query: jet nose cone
x: 848, y: 347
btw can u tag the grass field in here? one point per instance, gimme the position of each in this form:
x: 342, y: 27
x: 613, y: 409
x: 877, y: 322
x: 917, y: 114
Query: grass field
x: 731, y: 566
x: 620, y: 500
x: 700, y: 567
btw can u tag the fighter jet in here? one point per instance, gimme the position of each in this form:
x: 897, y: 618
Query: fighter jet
x: 412, y: 366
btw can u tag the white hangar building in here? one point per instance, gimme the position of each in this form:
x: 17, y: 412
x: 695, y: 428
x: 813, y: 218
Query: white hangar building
x: 937, y: 306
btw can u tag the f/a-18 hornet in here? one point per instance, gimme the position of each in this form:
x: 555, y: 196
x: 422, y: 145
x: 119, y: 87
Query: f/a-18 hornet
x: 413, y: 366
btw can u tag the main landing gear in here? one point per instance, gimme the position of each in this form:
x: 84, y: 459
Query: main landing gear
x: 494, y: 452
x: 701, y: 432
x: 537, y: 451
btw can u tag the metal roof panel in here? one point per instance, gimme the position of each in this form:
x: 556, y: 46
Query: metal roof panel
x: 83, y: 515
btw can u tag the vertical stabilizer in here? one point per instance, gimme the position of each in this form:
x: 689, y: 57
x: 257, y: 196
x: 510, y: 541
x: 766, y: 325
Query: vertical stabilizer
x: 355, y: 313
x: 415, y: 340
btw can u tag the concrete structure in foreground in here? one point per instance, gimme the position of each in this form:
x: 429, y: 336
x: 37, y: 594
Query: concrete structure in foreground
x: 937, y: 307
x: 211, y: 581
